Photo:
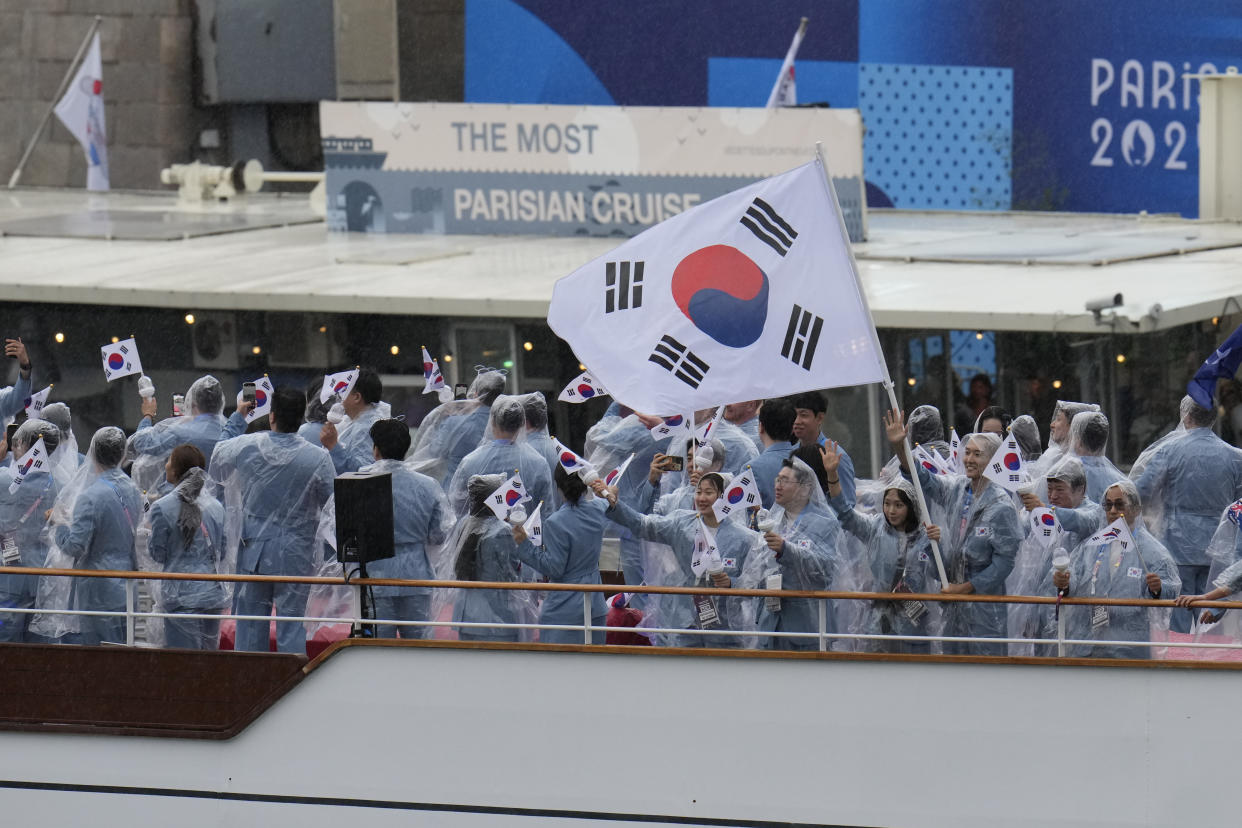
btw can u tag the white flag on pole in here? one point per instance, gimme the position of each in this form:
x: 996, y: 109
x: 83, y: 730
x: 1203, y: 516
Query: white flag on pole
x: 534, y: 526
x: 761, y: 278
x: 583, y: 388
x: 570, y: 460
x: 35, y: 402
x: 339, y: 384
x: 1006, y: 468
x: 616, y: 474
x: 120, y: 359
x: 31, y: 461
x: 433, y: 379
x: 741, y: 493
x: 955, y: 452
x: 263, y: 391
x: 1045, y: 527
x: 704, y: 432
x: 931, y: 460
x: 1115, y: 531
x: 677, y: 425
x: 81, y: 110
x: 785, y: 92
x: 706, y: 556
x: 511, y: 493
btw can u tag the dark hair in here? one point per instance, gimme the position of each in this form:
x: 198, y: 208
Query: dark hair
x: 777, y: 418
x: 984, y: 378
x: 536, y: 408
x: 316, y: 411
x: 811, y: 456
x: 369, y: 386
x: 912, y: 509
x: 1094, y: 433
x: 185, y: 457
x: 716, y: 480
x: 813, y: 401
x: 287, y: 407
x: 1195, y: 415
x: 570, y: 485
x: 108, y: 447
x: 994, y: 412
x: 391, y: 437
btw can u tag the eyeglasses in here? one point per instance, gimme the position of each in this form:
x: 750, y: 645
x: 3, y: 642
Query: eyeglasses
x: 1118, y: 505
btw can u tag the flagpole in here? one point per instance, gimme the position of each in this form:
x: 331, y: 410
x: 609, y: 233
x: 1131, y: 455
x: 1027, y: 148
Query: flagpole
x: 875, y: 343
x: 790, y: 57
x: 60, y: 93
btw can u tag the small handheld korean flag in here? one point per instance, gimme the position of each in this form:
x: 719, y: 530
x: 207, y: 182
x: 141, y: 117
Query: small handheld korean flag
x: 432, y: 378
x: 675, y: 426
x: 339, y: 384
x: 263, y: 391
x: 616, y: 474
x: 584, y: 387
x: 741, y: 493
x: 762, y: 277
x: 704, y: 432
x: 1006, y: 468
x: 955, y: 452
x: 1045, y: 528
x: 1115, y: 531
x: 705, y: 557
x: 29, y: 462
x: 511, y: 493
x: 570, y: 461
x: 120, y: 359
x: 534, y: 525
x: 35, y: 403
x: 930, y: 460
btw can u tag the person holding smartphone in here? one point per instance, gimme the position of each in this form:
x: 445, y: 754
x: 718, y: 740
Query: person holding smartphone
x: 202, y: 427
x: 13, y: 398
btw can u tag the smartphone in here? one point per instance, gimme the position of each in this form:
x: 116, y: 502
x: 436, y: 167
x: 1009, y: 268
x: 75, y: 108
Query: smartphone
x: 178, y: 405
x: 459, y: 391
x: 248, y: 393
x: 8, y: 434
x: 676, y: 463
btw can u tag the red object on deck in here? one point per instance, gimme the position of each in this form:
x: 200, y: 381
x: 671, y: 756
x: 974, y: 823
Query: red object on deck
x: 625, y: 617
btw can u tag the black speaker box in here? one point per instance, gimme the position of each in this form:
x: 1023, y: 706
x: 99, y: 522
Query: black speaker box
x: 363, y: 517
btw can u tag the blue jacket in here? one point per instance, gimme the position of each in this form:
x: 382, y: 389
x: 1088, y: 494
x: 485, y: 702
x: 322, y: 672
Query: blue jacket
x: 21, y: 518
x: 766, y: 466
x: 569, y: 555
x: 503, y: 457
x: 418, y: 507
x: 353, y: 448
x: 807, y: 561
x: 202, y: 431
x: 13, y: 398
x: 101, y: 536
x: 203, y: 554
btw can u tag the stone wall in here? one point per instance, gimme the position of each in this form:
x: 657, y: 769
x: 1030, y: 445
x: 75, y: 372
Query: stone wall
x: 148, y: 55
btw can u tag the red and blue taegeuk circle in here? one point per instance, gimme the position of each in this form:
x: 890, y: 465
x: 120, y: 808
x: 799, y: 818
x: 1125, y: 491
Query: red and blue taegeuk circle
x: 512, y: 497
x: 116, y: 362
x: 1012, y: 462
x: 260, y: 398
x: 735, y: 494
x: 585, y: 391
x: 568, y: 459
x: 1047, y: 520
x: 724, y: 293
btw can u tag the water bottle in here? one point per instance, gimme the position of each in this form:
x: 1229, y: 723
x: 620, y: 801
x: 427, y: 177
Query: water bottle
x: 445, y: 394
x: 146, y: 388
x: 517, y: 515
x: 336, y: 413
x: 703, y: 458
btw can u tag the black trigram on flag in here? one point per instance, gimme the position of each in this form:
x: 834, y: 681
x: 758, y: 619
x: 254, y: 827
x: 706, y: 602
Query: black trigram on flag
x: 802, y: 337
x: 685, y: 365
x: 624, y: 286
x: 768, y: 226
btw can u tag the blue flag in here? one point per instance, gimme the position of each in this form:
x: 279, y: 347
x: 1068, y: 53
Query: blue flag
x: 1221, y: 365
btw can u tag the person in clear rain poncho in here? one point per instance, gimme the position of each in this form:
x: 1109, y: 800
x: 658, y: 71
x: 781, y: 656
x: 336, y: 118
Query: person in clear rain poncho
x: 1187, y: 480
x: 504, y: 450
x: 422, y: 522
x: 745, y: 415
x: 569, y: 555
x: 483, y: 550
x: 275, y: 487
x: 454, y: 429
x: 351, y: 447
x: 22, y: 520
x: 898, y: 551
x: 800, y: 536
x: 95, y: 528
x: 1113, y: 569
x: 739, y: 449
x: 1025, y: 431
x: 1088, y: 439
x: 776, y: 420
x: 200, y: 426
x: 646, y: 498
x: 979, y: 542
x: 186, y: 534
x: 1059, y: 434
x: 66, y: 459
x: 681, y: 531
x: 1225, y: 552
x: 537, y: 437
x: 927, y: 430
x: 316, y: 414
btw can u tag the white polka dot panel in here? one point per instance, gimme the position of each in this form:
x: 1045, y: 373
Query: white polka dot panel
x: 938, y: 137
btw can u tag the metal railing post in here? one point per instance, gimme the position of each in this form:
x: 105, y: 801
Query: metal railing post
x: 129, y: 611
x: 1061, y: 632
x: 357, y: 609
x: 823, y: 624
x: 586, y: 618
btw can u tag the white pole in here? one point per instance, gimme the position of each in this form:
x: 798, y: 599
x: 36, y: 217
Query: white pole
x: 875, y: 343
x: 60, y: 93
x: 775, y: 95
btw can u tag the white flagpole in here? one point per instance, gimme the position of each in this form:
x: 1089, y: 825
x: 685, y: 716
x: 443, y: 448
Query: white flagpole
x: 774, y: 95
x: 875, y: 343
x: 60, y: 93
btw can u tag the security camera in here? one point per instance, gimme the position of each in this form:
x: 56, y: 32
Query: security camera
x: 1104, y: 303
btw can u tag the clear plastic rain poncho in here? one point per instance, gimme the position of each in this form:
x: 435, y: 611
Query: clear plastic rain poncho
x: 1185, y: 483
x: 453, y: 429
x: 504, y: 450
x: 739, y: 448
x: 1088, y: 440
x: 184, y: 532
x: 979, y: 541
x: 22, y: 525
x: 1110, y: 571
x: 1062, y: 417
x: 899, y: 561
x: 482, y: 549
x: 96, y: 519
x: 66, y: 459
x: 676, y: 490
x: 807, y: 560
x: 1225, y: 553
x: 200, y: 426
x: 1026, y: 432
x: 537, y: 436
x: 927, y: 429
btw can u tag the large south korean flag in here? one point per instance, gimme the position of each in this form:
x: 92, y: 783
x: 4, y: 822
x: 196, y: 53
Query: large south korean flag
x: 749, y: 296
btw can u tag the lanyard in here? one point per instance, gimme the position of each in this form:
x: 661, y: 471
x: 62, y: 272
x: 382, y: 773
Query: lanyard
x: 129, y: 517
x: 38, y: 500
